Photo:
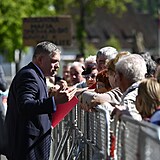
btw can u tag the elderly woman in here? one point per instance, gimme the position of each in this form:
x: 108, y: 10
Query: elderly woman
x: 148, y: 100
x: 102, y: 82
x: 90, y: 74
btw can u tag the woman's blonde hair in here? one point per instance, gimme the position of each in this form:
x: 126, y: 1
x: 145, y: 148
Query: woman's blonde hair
x: 112, y: 62
x: 149, y: 93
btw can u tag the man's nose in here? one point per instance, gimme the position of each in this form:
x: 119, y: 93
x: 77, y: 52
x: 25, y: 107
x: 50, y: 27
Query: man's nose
x: 57, y: 65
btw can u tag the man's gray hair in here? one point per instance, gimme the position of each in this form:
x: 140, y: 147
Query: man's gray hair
x: 108, y: 52
x: 77, y: 64
x: 133, y: 67
x: 46, y: 48
x: 90, y: 59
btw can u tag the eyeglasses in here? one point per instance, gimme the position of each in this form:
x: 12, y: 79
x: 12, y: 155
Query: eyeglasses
x: 149, y: 75
x: 90, y: 76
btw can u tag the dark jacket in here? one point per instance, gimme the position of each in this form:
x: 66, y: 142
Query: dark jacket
x: 27, y: 123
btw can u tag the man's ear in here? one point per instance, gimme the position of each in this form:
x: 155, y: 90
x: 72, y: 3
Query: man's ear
x: 39, y: 59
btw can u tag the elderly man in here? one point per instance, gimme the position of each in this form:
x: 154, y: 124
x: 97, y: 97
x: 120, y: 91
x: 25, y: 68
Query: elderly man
x: 130, y: 70
x: 66, y: 73
x: 76, y: 76
x: 104, y: 55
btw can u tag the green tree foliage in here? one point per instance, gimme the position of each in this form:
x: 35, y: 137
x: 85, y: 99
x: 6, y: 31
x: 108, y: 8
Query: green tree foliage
x: 83, y: 9
x: 11, y: 14
x: 13, y: 11
x: 147, y: 6
x: 114, y: 42
x: 90, y: 49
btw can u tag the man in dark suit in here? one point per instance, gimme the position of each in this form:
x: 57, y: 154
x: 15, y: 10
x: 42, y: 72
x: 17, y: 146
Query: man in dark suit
x: 27, y: 123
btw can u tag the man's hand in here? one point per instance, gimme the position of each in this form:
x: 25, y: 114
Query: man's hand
x: 64, y: 95
x: 96, y: 101
x: 118, y: 111
x: 87, y: 108
x: 63, y: 84
x: 85, y: 101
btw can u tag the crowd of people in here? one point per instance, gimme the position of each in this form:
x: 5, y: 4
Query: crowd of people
x: 126, y: 83
x: 116, y: 79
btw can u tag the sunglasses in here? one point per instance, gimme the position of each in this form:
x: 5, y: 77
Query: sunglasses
x: 90, y: 76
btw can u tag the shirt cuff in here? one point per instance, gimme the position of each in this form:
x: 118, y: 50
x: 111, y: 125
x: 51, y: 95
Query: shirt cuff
x: 54, y: 104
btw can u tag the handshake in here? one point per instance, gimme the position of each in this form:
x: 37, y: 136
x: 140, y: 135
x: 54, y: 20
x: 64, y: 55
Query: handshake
x: 61, y: 92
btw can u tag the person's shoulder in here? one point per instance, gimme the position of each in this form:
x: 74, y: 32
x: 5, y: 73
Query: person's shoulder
x: 25, y: 72
x: 115, y: 92
x: 115, y: 95
x: 131, y: 93
x: 155, y: 117
x: 30, y: 68
x: 81, y: 85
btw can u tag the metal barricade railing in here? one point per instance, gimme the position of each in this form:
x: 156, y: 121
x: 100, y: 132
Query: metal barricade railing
x: 98, y: 133
x: 149, y: 146
x: 132, y: 138
x: 82, y: 135
x: 90, y: 136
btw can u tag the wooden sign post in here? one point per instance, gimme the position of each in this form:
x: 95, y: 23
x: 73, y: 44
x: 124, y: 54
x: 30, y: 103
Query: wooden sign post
x: 55, y: 29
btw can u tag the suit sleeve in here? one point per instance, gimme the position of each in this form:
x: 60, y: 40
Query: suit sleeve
x: 31, y: 96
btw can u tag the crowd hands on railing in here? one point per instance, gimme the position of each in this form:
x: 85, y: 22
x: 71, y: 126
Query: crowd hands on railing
x: 124, y: 82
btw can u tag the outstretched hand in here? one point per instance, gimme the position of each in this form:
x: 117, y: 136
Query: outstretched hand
x: 64, y: 94
x: 118, y: 111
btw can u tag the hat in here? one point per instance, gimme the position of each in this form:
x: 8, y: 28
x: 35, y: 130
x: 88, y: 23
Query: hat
x: 88, y: 70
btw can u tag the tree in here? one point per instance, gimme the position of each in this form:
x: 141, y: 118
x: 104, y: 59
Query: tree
x: 148, y: 6
x: 90, y: 49
x: 82, y: 9
x: 11, y: 13
x: 114, y: 42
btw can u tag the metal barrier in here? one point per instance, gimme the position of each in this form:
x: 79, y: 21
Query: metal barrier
x: 83, y: 136
x: 93, y: 136
x: 135, y: 139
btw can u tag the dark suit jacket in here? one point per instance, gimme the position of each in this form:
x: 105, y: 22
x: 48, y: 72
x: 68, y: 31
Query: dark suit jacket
x: 27, y: 120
